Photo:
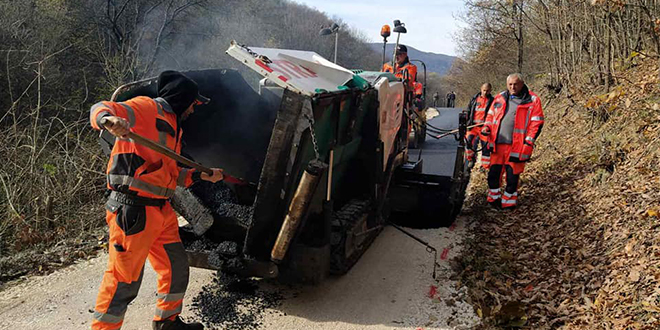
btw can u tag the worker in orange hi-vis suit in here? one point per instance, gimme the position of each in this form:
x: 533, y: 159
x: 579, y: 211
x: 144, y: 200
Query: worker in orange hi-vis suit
x: 419, y: 89
x: 513, y: 123
x: 476, y: 109
x: 404, y: 69
x: 141, y: 221
x: 418, y: 100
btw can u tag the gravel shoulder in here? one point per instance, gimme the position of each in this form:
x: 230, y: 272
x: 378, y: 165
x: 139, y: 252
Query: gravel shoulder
x: 389, y: 288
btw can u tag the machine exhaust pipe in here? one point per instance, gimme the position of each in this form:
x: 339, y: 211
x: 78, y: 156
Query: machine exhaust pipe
x: 297, y: 209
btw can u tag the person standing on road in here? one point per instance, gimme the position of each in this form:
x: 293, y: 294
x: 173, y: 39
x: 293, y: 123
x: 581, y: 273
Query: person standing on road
x: 140, y: 219
x: 513, y: 123
x: 476, y: 109
x: 452, y: 99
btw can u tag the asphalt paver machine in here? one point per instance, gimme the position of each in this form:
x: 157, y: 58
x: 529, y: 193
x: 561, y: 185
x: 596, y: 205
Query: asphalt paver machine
x: 318, y: 143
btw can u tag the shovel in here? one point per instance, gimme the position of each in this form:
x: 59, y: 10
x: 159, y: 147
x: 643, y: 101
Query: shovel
x: 456, y: 131
x: 165, y: 151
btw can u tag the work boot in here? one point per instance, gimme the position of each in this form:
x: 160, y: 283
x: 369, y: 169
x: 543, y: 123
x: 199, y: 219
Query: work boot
x: 176, y: 324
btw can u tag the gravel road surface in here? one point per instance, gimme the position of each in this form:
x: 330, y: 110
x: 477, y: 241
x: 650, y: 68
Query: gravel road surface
x: 389, y: 288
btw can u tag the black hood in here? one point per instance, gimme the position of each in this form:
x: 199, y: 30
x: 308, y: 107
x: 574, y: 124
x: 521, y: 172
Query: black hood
x: 178, y: 90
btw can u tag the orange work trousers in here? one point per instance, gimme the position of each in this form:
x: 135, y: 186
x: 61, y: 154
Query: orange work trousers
x: 500, y: 164
x: 138, y: 232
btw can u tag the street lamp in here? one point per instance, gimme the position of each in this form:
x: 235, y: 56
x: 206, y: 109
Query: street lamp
x: 334, y: 28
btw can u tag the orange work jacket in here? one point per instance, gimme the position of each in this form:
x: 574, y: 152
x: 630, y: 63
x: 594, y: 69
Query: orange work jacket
x: 477, y: 113
x: 406, y: 71
x: 135, y: 169
x: 527, y: 125
x: 419, y: 89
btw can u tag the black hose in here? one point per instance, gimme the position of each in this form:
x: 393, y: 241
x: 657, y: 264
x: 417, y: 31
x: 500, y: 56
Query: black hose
x: 443, y: 130
x: 455, y: 135
x: 436, y: 131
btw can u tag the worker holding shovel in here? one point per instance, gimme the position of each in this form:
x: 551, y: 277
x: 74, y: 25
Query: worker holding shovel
x: 141, y: 221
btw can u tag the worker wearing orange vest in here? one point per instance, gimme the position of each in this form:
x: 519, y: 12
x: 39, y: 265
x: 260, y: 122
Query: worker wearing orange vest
x: 477, y: 108
x: 513, y: 123
x: 419, y: 89
x: 419, y: 95
x: 141, y: 221
x: 404, y: 69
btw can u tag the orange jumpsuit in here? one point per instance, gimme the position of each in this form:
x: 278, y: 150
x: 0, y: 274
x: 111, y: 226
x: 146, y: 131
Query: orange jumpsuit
x: 418, y: 100
x: 141, y: 222
x: 511, y: 158
x: 419, y: 89
x: 407, y: 70
x: 477, y: 115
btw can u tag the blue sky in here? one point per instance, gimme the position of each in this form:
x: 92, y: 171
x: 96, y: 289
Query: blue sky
x: 431, y: 23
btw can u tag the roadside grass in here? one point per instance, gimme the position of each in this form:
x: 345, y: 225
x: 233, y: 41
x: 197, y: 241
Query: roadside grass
x: 51, y: 187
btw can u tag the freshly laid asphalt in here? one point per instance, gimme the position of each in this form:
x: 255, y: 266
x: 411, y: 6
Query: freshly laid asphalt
x: 439, y: 155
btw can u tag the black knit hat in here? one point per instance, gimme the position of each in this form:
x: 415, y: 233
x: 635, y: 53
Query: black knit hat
x: 179, y: 91
x: 401, y: 49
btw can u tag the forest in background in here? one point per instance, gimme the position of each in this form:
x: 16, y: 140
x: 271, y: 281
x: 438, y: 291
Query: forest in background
x: 559, y: 41
x: 581, y: 249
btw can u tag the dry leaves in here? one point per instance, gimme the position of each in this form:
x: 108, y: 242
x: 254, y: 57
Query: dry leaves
x: 582, y: 251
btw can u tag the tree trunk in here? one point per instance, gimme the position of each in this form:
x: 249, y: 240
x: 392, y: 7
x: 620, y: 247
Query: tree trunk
x: 520, y: 34
x: 608, y: 51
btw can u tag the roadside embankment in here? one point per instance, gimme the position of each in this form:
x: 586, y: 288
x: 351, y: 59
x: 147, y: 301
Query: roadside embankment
x: 582, y: 250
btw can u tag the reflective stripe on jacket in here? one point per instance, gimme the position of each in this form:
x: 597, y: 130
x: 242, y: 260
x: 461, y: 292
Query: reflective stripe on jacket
x: 133, y: 167
x: 477, y: 108
x: 527, y: 127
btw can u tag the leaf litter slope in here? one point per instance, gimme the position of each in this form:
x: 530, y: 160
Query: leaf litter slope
x: 582, y: 251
